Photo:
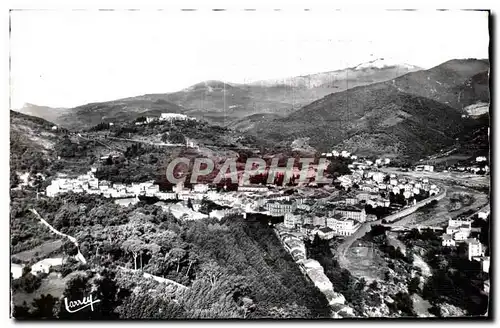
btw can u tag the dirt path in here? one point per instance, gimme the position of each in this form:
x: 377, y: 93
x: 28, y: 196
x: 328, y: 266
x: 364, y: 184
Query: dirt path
x: 79, y: 255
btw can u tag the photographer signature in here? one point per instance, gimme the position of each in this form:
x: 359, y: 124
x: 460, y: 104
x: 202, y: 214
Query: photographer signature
x: 75, y: 306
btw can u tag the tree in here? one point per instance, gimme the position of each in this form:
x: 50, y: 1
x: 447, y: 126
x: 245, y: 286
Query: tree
x: 177, y: 254
x: 413, y: 286
x: 44, y: 307
x: 211, y: 271
x: 192, y: 258
x: 134, y: 246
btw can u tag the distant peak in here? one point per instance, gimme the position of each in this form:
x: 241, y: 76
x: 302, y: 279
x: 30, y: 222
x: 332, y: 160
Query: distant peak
x: 383, y: 62
x: 214, y: 84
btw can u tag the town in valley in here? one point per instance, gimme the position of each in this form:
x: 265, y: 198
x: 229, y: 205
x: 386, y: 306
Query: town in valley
x: 390, y: 217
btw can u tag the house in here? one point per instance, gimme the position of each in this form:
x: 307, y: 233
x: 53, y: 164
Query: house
x: 54, y: 128
x: 447, y: 240
x: 351, y: 201
x: 150, y: 119
x: 44, y: 266
x: 485, y: 264
x: 127, y: 201
x: 346, y: 227
x: 326, y: 233
x: 93, y: 183
x: 52, y: 189
x: 486, y: 287
x: 459, y: 229
x: 378, y: 177
x: 319, y: 221
x: 152, y: 190
x: 364, y: 196
x: 279, y: 208
x: 173, y: 117
x: 429, y: 168
x: 484, y: 214
x: 315, y: 272
x: 292, y: 243
x: 297, y: 255
x: 291, y: 220
x: 201, y: 188
x: 253, y: 188
x: 474, y: 248
x: 480, y: 159
x: 351, y: 212
x: 306, y: 228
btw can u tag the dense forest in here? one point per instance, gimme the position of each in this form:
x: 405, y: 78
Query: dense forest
x: 232, y: 268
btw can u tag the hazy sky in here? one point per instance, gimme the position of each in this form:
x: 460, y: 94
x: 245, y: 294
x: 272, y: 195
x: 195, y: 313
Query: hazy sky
x: 69, y: 58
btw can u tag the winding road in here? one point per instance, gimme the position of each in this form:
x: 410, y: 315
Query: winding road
x: 79, y: 255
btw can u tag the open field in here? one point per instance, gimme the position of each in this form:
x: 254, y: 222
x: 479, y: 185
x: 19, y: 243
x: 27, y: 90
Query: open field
x: 41, y: 251
x: 365, y: 261
x: 53, y: 284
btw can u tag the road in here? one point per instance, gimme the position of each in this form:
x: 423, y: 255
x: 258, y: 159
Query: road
x: 342, y: 249
x: 79, y: 255
x: 448, y: 178
x: 464, y: 179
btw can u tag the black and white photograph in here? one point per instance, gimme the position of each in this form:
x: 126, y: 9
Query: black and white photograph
x: 223, y: 164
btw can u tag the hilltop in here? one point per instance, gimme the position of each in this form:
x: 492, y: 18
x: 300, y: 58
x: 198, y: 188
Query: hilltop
x: 226, y: 103
x: 457, y: 83
x: 407, y: 116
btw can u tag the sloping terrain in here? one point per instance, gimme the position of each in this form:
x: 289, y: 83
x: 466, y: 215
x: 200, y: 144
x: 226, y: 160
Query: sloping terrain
x: 457, y: 83
x: 51, y: 114
x: 32, y: 142
x: 224, y: 103
x: 412, y: 115
x: 377, y: 118
x: 115, y: 111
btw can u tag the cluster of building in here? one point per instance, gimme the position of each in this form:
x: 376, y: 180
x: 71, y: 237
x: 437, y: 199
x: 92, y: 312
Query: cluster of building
x: 293, y: 243
x: 165, y: 117
x: 424, y: 168
x: 473, y: 169
x: 459, y: 231
x: 88, y: 183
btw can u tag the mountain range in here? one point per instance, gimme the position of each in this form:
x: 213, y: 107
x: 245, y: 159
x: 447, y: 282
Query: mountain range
x: 375, y: 107
x: 226, y: 103
x: 413, y: 114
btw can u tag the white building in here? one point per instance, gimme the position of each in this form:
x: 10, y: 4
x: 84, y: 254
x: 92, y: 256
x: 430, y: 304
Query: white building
x: 291, y: 220
x: 45, y: 265
x: 475, y: 248
x: 378, y: 177
x: 326, y: 233
x: 485, y: 264
x: 483, y: 214
x: 201, y: 188
x: 173, y: 117
x: 252, y: 188
x: 448, y: 240
x: 480, y: 159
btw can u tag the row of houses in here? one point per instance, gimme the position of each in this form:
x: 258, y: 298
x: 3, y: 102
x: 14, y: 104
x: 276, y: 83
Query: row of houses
x: 325, y: 226
x: 459, y: 231
x: 88, y: 183
x: 165, y: 117
x: 293, y: 243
